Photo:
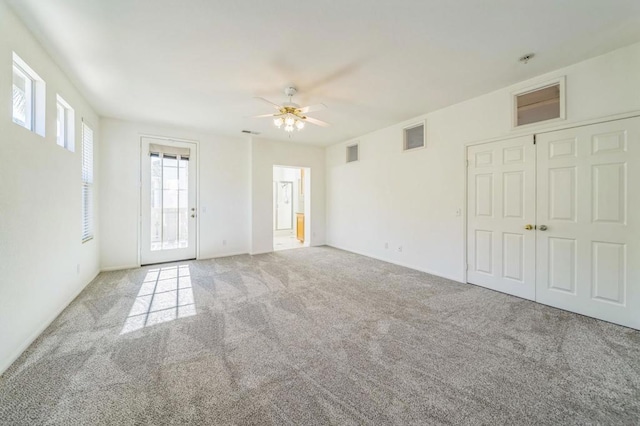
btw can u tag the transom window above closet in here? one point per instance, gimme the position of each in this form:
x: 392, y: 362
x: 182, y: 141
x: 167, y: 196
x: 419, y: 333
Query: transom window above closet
x: 541, y: 103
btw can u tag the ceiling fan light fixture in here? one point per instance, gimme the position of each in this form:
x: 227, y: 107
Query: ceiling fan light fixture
x: 290, y: 115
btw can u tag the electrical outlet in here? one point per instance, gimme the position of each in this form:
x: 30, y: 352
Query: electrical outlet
x: 78, y: 268
x: 386, y: 245
x: 400, y: 249
x: 224, y: 242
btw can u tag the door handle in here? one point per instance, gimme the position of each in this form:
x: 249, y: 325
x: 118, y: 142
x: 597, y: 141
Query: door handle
x: 528, y: 227
x: 543, y: 227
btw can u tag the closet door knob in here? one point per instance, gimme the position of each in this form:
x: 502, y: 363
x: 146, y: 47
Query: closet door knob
x: 543, y: 227
x: 528, y: 227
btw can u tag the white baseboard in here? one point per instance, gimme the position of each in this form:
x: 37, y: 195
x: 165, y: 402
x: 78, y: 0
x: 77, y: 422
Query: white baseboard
x: 261, y: 252
x: 220, y: 255
x: 406, y: 265
x: 41, y: 329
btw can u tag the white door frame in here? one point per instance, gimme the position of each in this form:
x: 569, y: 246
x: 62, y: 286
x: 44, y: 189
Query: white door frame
x: 522, y: 132
x: 197, y: 191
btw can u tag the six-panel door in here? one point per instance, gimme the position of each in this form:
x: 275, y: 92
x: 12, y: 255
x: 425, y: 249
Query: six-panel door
x: 500, y: 205
x: 585, y: 212
x: 588, y: 211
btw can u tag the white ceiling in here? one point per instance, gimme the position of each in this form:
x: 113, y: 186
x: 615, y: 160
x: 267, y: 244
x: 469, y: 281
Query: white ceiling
x: 198, y: 63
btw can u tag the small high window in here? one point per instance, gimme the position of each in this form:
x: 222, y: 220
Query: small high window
x: 545, y: 102
x: 22, y: 98
x: 352, y: 153
x: 414, y: 137
x: 65, y: 121
x: 28, y: 97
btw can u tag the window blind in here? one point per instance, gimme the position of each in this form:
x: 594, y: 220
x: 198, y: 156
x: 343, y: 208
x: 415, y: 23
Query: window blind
x: 87, y: 182
x: 169, y: 151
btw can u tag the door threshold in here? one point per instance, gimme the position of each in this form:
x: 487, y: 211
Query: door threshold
x: 167, y: 261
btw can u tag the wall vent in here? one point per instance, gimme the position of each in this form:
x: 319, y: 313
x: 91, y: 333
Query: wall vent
x: 250, y: 132
x: 352, y: 153
x: 413, y: 137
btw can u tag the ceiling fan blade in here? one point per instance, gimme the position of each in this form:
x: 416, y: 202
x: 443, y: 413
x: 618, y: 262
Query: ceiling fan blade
x: 262, y: 116
x: 316, y: 122
x: 276, y: 106
x: 311, y: 108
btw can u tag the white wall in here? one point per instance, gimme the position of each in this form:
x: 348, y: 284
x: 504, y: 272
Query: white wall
x: 410, y: 199
x: 40, y: 202
x: 223, y: 175
x: 264, y: 155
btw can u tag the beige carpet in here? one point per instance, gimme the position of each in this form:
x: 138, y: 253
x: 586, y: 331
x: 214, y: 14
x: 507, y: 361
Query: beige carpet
x: 317, y: 336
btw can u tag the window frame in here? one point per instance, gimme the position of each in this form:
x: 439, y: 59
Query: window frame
x: 29, y: 98
x: 68, y: 135
x: 36, y: 110
x: 422, y: 123
x: 559, y: 81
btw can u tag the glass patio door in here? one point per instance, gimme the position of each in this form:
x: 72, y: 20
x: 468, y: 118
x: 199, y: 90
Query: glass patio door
x: 168, y: 197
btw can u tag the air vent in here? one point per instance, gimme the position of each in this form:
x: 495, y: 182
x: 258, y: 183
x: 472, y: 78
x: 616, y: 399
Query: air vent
x: 414, y: 137
x: 352, y: 153
x: 250, y: 132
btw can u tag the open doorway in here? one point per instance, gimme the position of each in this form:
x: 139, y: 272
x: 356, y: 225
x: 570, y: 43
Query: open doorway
x: 291, y: 207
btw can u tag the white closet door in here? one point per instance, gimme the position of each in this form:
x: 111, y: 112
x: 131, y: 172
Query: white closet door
x: 588, y: 234
x: 500, y: 205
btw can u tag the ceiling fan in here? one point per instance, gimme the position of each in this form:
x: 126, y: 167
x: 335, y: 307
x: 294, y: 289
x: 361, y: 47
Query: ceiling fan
x: 292, y: 115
